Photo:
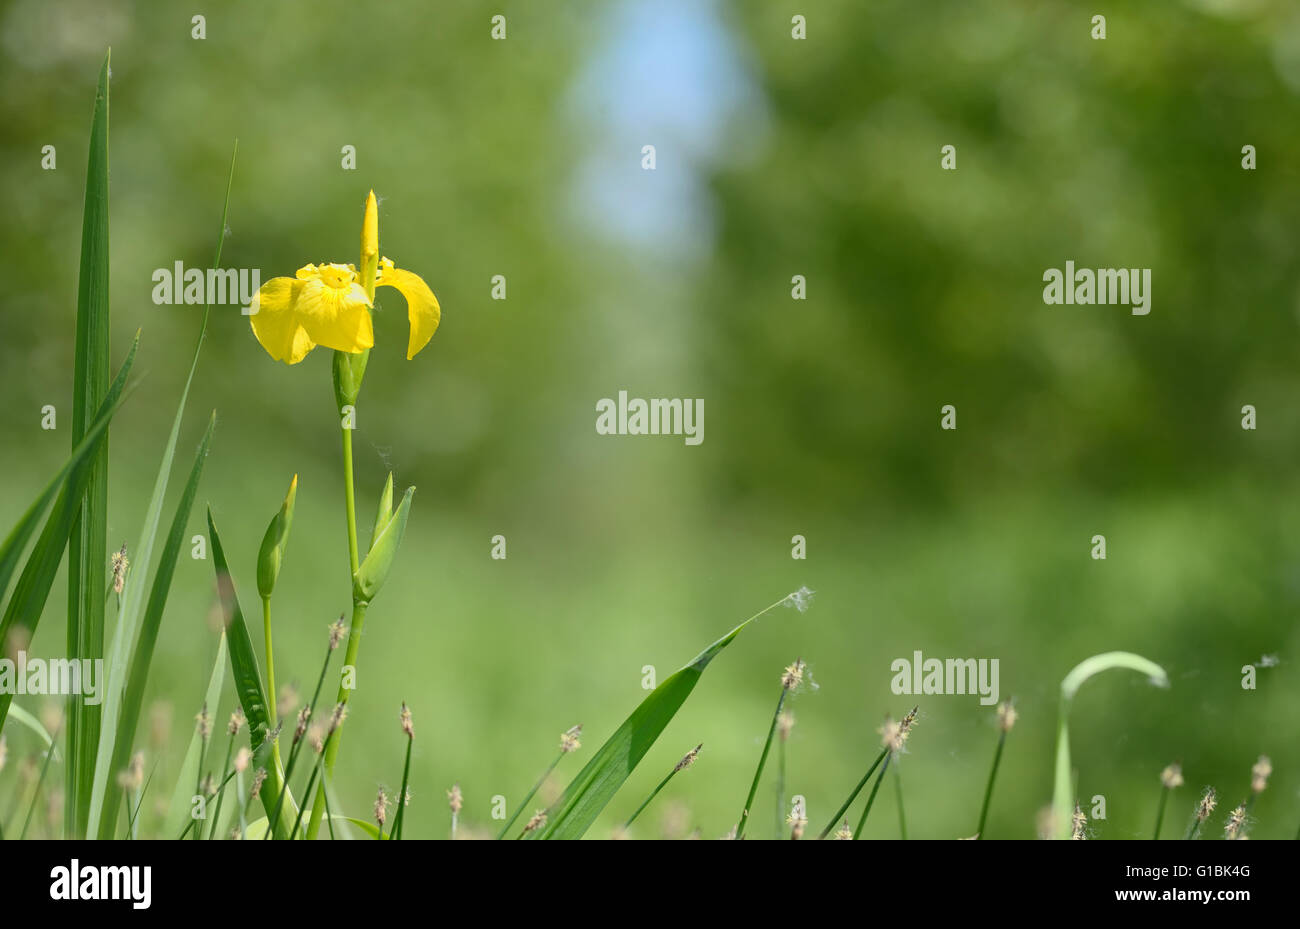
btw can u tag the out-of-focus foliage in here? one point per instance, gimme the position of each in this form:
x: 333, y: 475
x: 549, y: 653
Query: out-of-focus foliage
x: 775, y: 157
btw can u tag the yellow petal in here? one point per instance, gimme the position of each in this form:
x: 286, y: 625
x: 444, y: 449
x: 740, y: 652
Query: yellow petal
x: 421, y: 305
x: 336, y: 317
x: 275, y: 322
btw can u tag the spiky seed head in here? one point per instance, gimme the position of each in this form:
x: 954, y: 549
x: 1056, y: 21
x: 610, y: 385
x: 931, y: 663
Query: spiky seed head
x: 407, y: 726
x: 236, y: 723
x: 381, y: 807
x: 843, y: 833
x: 119, y: 563
x: 1007, y: 715
x: 1078, y: 824
x: 538, y: 821
x: 569, y: 739
x: 893, y: 735
x: 792, y: 677
x: 204, y: 723
x: 337, y: 631
x: 1208, y: 801
x: 1259, y: 774
x: 338, y: 717
x: 243, y: 758
x: 258, y: 780
x: 800, y: 599
x: 454, y: 800
x: 1232, y: 829
x: 316, y: 737
x: 304, y: 717
x: 797, y: 825
x: 1172, y: 776
x: 688, y: 759
x: 909, y: 720
x: 785, y: 725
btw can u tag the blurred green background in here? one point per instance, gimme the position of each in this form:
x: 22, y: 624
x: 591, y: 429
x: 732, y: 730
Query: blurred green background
x: 775, y: 157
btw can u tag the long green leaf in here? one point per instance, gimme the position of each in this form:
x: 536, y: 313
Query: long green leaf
x: 128, y: 616
x: 24, y: 718
x: 585, y: 798
x: 178, y: 812
x: 107, y: 793
x: 248, y: 678
x: 33, y: 588
x: 87, y: 553
x: 1063, y: 791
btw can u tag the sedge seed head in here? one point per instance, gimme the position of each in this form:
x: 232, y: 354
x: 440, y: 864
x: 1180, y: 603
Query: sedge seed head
x: 337, y: 631
x: 242, y: 759
x: 407, y: 725
x: 1259, y: 774
x: 569, y: 739
x: 204, y: 723
x: 1078, y: 824
x: 1232, y: 829
x: 455, y: 801
x: 381, y: 807
x: 1208, y: 801
x: 258, y: 780
x: 1007, y: 715
x: 304, y: 717
x: 792, y: 677
x: 843, y: 833
x: 797, y: 825
x: 537, y: 821
x: 338, y: 717
x: 1172, y: 776
x: 237, y: 721
x: 688, y: 759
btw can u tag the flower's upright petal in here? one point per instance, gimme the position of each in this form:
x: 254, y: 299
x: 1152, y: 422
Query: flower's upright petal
x: 336, y: 317
x: 274, y: 317
x: 421, y: 305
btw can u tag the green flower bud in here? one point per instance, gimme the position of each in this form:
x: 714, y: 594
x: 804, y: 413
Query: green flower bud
x: 277, y: 536
x: 374, y: 570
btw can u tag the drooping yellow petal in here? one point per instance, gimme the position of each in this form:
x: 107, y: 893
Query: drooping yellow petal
x: 334, y: 311
x: 275, y: 322
x: 421, y: 305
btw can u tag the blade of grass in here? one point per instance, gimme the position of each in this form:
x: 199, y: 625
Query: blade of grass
x: 593, y: 788
x: 762, y: 760
x: 248, y: 679
x: 87, y: 553
x: 33, y: 588
x: 36, y: 794
x: 31, y: 722
x: 1063, y: 793
x: 128, y: 616
x: 871, y: 797
x: 687, y: 760
x: 107, y: 794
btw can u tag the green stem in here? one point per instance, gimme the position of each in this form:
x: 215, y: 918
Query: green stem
x: 871, y: 798
x: 272, y: 695
x: 780, y: 787
x: 354, y: 635
x: 529, y: 796
x: 401, y: 796
x: 898, y: 789
x: 839, y: 814
x: 225, y: 769
x: 36, y: 794
x: 988, y: 791
x: 311, y: 782
x: 758, y: 773
x: 1160, y: 811
x: 645, y: 803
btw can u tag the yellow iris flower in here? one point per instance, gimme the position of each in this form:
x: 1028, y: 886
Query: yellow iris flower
x: 330, y: 304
